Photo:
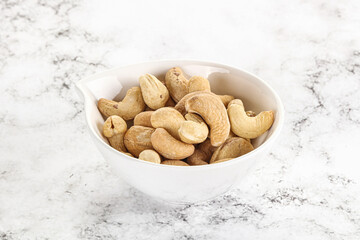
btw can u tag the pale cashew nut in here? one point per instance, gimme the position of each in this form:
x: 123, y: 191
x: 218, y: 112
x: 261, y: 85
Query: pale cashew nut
x: 154, y: 92
x: 150, y: 156
x: 222, y: 160
x: 114, y: 129
x: 180, y: 106
x: 248, y: 127
x: 143, y: 119
x: 175, y: 163
x: 213, y: 111
x: 176, y: 83
x: 169, y: 147
x: 138, y: 139
x: 194, y: 130
x: 197, y: 83
x: 128, y: 108
x: 232, y: 148
x: 226, y: 99
x: 167, y: 118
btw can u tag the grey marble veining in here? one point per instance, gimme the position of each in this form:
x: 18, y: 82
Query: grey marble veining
x: 55, y: 185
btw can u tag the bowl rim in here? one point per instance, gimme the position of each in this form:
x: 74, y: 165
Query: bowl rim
x: 80, y: 86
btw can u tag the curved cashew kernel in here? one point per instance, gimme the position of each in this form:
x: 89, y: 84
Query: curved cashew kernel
x: 138, y: 139
x: 213, y: 111
x: 143, y: 119
x: 169, y: 147
x: 176, y: 83
x: 222, y: 160
x: 150, y: 156
x: 167, y: 118
x: 155, y: 93
x: 232, y: 148
x: 114, y: 129
x: 180, y: 106
x: 194, y: 130
x: 131, y: 105
x: 197, y: 158
x: 175, y: 163
x: 226, y: 99
x: 248, y: 127
x: 197, y: 83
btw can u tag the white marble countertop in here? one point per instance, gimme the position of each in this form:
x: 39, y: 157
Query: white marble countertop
x: 54, y: 184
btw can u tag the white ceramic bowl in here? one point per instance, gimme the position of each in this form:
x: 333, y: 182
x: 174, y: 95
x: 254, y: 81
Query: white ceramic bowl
x: 179, y: 184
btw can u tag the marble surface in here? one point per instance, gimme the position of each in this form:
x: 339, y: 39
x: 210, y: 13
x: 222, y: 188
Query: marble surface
x: 54, y: 184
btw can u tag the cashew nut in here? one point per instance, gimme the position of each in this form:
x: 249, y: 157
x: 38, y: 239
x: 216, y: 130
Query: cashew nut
x: 175, y: 163
x: 176, y: 83
x: 248, y: 127
x: 114, y: 129
x: 232, y: 148
x: 143, y: 119
x: 197, y: 158
x: 222, y: 160
x: 226, y: 99
x: 194, y: 130
x: 154, y: 92
x: 169, y: 147
x: 197, y: 83
x: 167, y: 118
x: 213, y: 111
x: 128, y: 108
x: 138, y: 139
x: 150, y: 156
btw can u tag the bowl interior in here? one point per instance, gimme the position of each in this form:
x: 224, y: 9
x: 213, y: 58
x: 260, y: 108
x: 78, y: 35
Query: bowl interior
x: 113, y: 84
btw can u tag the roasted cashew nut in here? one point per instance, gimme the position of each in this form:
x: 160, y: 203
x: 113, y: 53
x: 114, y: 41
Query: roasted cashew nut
x: 169, y: 119
x: 154, y: 92
x: 150, y: 156
x: 169, y: 147
x: 176, y: 83
x: 114, y: 129
x: 213, y: 111
x: 194, y: 130
x: 128, y: 108
x: 248, y: 127
x: 138, y: 139
x: 143, y: 119
x: 197, y: 83
x: 232, y: 148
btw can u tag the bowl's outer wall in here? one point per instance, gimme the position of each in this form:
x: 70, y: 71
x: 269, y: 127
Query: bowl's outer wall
x: 181, y: 184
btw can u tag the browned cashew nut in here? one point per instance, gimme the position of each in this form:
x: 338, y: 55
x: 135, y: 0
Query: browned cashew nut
x: 169, y: 147
x: 197, y: 158
x: 114, y: 129
x: 245, y: 126
x: 128, y: 108
x: 143, y: 119
x: 168, y: 118
x: 154, y: 92
x: 174, y: 162
x: 213, y: 111
x: 197, y: 83
x: 176, y: 83
x: 232, y: 148
x: 138, y: 139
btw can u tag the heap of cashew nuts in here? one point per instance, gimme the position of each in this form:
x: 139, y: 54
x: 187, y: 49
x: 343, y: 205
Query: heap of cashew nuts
x: 183, y: 124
